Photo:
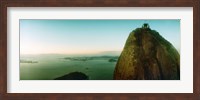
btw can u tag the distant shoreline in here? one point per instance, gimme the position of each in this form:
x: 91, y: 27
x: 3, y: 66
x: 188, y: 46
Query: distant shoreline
x: 72, y: 54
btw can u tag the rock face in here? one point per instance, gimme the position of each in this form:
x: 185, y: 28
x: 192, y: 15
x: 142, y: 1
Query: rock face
x: 147, y: 56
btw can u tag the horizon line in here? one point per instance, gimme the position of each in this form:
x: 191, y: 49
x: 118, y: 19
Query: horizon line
x: 69, y: 53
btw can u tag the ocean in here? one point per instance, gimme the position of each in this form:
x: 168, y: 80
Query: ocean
x: 49, y: 67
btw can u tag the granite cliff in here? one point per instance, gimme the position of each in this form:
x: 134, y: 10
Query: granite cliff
x: 147, y: 56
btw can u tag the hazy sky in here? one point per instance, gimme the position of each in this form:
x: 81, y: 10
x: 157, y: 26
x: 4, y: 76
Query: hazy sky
x: 87, y: 36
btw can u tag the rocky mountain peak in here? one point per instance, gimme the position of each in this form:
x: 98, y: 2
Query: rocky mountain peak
x: 147, y: 56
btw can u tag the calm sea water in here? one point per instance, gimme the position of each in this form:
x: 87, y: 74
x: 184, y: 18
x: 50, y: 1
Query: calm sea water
x: 49, y: 67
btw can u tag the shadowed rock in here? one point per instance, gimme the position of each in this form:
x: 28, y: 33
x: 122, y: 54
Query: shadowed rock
x: 147, y: 56
x: 73, y: 76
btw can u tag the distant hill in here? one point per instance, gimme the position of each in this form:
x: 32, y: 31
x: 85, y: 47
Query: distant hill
x: 147, y: 56
x: 73, y: 76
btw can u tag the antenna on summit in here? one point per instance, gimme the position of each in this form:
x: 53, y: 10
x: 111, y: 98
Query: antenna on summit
x: 145, y: 26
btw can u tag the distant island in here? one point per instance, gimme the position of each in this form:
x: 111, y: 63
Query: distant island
x: 112, y: 60
x: 109, y: 58
x: 28, y: 61
x: 73, y: 76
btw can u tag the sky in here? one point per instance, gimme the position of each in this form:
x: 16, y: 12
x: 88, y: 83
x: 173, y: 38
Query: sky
x: 87, y: 36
